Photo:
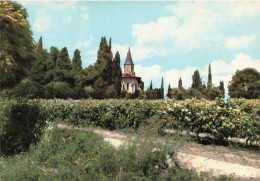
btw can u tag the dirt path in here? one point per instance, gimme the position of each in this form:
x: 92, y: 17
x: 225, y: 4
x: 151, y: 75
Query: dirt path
x: 217, y: 160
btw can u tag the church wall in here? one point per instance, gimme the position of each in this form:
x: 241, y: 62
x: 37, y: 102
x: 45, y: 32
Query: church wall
x: 132, y: 82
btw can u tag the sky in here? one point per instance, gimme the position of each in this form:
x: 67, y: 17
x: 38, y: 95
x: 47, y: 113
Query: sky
x: 167, y: 39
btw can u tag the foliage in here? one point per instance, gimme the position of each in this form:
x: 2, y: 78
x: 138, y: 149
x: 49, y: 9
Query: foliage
x: 151, y: 86
x: 76, y: 61
x: 63, y: 61
x: 234, y: 118
x: 245, y: 83
x: 80, y: 155
x: 105, y: 75
x: 152, y: 94
x: 196, y: 80
x: 57, y: 89
x: 22, y: 124
x: 16, y: 47
x: 117, y: 74
x: 162, y: 89
x: 169, y: 91
x: 209, y: 78
x: 180, y: 84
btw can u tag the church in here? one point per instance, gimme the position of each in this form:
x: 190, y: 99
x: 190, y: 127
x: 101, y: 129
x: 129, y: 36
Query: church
x: 130, y: 82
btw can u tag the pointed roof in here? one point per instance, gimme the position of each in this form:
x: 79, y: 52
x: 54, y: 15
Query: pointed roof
x: 128, y: 59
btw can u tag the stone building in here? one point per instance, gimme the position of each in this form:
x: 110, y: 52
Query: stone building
x: 130, y: 82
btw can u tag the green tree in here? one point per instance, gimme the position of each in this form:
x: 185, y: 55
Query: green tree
x: 39, y: 45
x: 196, y: 80
x: 169, y: 91
x: 16, y: 43
x: 151, y: 85
x: 76, y: 61
x: 180, y: 84
x: 162, y: 89
x: 52, y: 58
x: 209, y: 78
x: 221, y: 88
x: 245, y: 83
x: 63, y: 61
x: 117, y: 73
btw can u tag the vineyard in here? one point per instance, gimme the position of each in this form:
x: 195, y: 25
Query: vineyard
x: 221, y: 119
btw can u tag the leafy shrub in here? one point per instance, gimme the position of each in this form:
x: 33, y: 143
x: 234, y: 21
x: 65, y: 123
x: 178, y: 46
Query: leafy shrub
x: 60, y: 90
x: 22, y: 124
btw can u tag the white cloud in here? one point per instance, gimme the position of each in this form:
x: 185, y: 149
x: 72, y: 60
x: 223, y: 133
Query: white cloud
x: 85, y: 16
x: 42, y: 23
x: 149, y: 73
x: 243, y: 9
x: 172, y: 77
x: 240, y: 42
x: 85, y: 44
x: 90, y: 57
x: 195, y: 25
x: 137, y: 52
x: 243, y: 61
x: 224, y: 71
x: 221, y: 71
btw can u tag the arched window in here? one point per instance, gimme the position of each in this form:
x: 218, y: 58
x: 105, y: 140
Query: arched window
x: 127, y: 86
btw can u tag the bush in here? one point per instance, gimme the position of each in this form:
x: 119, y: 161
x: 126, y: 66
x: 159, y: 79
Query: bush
x: 29, y: 89
x: 78, y: 155
x: 60, y: 90
x: 22, y: 125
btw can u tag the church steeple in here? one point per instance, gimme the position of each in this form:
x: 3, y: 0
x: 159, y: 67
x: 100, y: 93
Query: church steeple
x: 129, y: 65
x: 128, y: 60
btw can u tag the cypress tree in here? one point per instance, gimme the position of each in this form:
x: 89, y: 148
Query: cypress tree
x: 63, y: 61
x: 196, y: 80
x: 169, y: 91
x: 151, y: 86
x: 40, y: 47
x: 104, y: 61
x: 54, y: 54
x: 180, y: 84
x: 209, y: 78
x: 76, y: 61
x: 221, y: 87
x: 117, y: 73
x: 162, y: 89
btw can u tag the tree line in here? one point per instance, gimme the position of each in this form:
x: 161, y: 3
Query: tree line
x: 29, y: 70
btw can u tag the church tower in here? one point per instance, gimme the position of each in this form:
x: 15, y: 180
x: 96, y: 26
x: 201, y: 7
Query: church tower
x: 130, y: 82
x: 129, y: 65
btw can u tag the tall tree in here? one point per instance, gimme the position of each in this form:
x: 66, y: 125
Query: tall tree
x: 245, y: 83
x: 221, y: 88
x: 104, y: 61
x: 180, y: 84
x: 196, y: 80
x: 162, y: 89
x: 63, y: 61
x: 39, y: 45
x: 16, y: 43
x: 169, y: 91
x: 151, y: 85
x: 117, y: 73
x: 76, y: 61
x: 52, y: 58
x: 209, y: 78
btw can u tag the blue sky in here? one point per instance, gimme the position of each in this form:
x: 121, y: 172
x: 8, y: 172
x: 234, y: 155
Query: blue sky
x: 169, y: 39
